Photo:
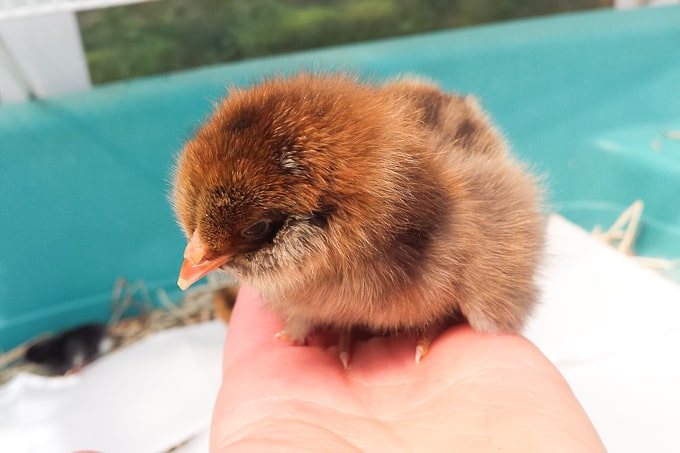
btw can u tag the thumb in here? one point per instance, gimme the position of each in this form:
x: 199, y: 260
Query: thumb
x: 252, y: 326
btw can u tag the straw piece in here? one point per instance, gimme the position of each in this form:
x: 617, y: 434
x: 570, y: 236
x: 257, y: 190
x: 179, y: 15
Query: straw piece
x: 623, y: 233
x: 673, y: 135
x: 657, y: 143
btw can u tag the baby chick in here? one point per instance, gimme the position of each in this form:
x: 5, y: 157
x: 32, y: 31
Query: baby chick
x: 390, y: 208
x: 72, y: 349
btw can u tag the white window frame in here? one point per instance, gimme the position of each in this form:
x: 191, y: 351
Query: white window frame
x: 41, y: 51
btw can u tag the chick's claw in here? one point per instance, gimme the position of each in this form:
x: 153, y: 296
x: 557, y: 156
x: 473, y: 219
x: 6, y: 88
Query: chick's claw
x: 422, y: 348
x: 344, y: 346
x: 425, y: 340
x: 285, y: 337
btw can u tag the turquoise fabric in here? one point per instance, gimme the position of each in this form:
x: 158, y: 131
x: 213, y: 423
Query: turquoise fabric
x: 84, y: 178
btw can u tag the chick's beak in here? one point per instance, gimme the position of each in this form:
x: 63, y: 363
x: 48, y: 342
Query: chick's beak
x: 195, y: 266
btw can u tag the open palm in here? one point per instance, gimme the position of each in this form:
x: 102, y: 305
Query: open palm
x: 472, y: 392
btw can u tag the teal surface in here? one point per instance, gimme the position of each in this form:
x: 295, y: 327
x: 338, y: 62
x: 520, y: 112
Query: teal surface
x: 84, y: 178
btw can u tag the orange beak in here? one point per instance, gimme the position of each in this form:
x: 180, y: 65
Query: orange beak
x: 195, y: 266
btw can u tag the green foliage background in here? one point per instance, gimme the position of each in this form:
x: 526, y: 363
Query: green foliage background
x: 165, y: 35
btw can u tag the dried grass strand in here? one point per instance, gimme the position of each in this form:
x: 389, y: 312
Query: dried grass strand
x: 623, y: 233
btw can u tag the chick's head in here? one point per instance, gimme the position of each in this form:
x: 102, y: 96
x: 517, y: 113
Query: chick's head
x: 272, y: 158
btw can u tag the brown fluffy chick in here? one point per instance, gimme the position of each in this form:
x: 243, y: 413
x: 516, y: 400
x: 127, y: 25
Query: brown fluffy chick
x: 349, y: 205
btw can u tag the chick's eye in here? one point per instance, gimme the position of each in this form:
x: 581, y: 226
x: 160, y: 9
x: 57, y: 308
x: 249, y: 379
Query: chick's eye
x: 256, y: 230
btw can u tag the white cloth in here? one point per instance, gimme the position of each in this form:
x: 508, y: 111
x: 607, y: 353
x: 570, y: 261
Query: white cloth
x: 145, y: 398
x: 613, y: 330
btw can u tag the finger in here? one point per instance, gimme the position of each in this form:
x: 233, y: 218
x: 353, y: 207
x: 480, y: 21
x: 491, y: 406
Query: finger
x: 252, y: 326
x: 455, y: 352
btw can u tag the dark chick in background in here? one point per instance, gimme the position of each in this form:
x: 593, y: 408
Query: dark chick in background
x: 391, y: 208
x: 71, y: 349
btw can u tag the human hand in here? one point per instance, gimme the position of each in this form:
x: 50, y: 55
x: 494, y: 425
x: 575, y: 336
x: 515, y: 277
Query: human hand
x: 472, y: 392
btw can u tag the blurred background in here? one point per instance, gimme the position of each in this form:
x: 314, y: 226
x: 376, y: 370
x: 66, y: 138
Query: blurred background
x: 174, y: 34
x: 53, y: 46
x: 97, y: 97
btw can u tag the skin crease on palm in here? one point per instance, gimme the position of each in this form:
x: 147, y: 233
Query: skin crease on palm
x: 473, y: 392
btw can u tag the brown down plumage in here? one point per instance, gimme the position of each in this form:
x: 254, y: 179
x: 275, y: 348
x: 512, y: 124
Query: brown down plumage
x: 393, y: 207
